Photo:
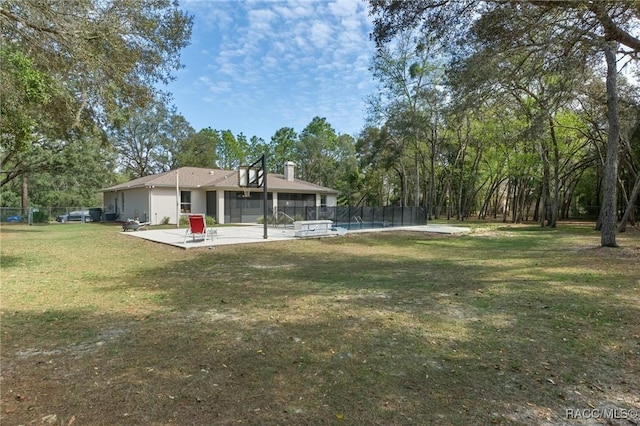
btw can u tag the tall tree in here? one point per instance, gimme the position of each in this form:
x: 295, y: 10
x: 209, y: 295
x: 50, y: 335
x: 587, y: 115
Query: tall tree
x: 587, y: 28
x: 631, y: 154
x: 283, y: 144
x: 99, y: 56
x: 316, y: 151
x: 257, y: 146
x: 411, y: 105
x: 380, y: 160
x: 176, y: 131
x: 231, y: 152
x: 199, y: 149
x: 86, y: 168
x: 150, y: 139
x: 347, y: 177
x: 27, y: 95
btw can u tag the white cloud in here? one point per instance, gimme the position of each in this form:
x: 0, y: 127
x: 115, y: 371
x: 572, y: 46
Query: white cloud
x: 214, y: 86
x: 294, y: 9
x: 343, y: 8
x: 210, y: 15
x: 283, y: 61
x: 301, y: 43
x: 260, y: 20
x: 320, y: 33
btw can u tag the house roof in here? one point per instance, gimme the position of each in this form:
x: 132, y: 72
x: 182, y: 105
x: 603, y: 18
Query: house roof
x: 196, y: 177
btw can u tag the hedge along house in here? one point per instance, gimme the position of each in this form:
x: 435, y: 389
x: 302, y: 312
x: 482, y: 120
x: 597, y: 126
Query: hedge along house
x: 163, y: 197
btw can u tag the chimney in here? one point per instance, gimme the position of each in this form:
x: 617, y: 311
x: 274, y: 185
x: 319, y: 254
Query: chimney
x: 289, y: 168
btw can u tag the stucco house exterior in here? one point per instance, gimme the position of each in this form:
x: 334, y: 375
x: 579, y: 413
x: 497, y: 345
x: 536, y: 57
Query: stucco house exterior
x: 163, y: 197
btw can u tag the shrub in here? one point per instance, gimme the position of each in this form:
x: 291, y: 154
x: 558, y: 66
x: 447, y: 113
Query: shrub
x: 209, y: 220
x: 165, y: 220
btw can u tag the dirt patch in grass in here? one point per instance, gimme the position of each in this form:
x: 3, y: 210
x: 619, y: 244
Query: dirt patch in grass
x: 516, y: 326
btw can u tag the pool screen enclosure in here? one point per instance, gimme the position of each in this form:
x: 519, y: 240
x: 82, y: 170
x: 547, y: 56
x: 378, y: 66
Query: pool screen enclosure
x: 255, y: 176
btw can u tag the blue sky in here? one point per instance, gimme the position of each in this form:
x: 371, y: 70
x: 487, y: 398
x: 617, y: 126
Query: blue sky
x: 256, y: 66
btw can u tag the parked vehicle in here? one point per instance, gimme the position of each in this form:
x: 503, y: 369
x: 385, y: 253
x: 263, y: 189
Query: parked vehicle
x: 13, y: 219
x: 77, y: 216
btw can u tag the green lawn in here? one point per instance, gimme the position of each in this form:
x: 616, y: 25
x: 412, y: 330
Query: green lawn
x: 510, y: 325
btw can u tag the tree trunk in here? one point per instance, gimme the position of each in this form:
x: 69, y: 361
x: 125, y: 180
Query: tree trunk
x: 472, y: 186
x: 461, y: 183
x: 544, y: 204
x: 432, y: 178
x: 555, y: 195
x: 505, y: 203
x: 459, y: 162
x: 25, y: 197
x: 609, y: 198
x: 630, y: 204
x: 599, y: 196
x: 403, y: 182
x: 416, y: 189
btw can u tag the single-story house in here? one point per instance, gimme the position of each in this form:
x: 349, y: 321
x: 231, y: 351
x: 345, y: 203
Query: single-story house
x: 163, y: 197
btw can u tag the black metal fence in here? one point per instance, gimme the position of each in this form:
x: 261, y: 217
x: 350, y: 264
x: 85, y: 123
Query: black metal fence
x: 358, y: 217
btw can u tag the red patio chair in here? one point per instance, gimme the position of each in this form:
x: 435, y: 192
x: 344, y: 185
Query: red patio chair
x: 198, y: 228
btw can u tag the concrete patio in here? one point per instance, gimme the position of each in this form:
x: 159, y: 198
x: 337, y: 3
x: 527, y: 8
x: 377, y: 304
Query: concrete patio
x: 246, y: 234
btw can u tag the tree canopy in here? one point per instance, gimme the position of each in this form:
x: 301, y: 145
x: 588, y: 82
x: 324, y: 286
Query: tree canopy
x: 535, y: 51
x: 71, y: 65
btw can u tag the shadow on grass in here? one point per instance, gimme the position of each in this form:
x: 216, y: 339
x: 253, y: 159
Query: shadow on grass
x: 12, y: 261
x: 19, y: 229
x: 368, y: 330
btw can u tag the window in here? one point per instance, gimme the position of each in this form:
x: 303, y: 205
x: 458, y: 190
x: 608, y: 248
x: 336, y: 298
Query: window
x: 185, y: 201
x: 323, y: 200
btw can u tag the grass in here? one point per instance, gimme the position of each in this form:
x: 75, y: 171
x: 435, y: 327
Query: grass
x: 507, y: 325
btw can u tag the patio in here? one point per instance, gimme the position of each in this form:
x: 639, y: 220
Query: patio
x: 245, y: 234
